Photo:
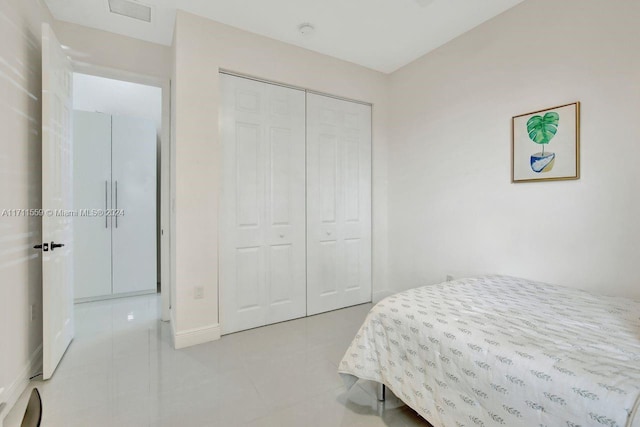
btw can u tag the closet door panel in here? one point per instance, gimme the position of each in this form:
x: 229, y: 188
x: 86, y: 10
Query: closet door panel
x: 262, y: 214
x: 134, y: 192
x: 338, y: 203
x: 285, y: 209
x: 92, y: 188
x: 242, y: 222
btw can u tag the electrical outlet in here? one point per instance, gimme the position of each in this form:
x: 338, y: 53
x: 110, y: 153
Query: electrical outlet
x: 449, y: 278
x: 198, y: 292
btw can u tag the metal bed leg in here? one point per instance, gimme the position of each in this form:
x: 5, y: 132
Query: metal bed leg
x: 381, y: 392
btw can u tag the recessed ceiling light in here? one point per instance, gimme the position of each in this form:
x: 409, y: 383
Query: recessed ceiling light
x: 131, y: 9
x: 306, y: 29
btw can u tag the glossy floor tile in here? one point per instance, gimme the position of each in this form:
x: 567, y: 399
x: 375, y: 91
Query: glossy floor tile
x: 121, y: 370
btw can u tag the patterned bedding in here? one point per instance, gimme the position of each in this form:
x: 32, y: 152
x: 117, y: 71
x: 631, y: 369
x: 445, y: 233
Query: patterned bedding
x: 502, y: 351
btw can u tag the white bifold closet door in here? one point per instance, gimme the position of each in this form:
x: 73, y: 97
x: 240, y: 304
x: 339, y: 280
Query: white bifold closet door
x: 338, y: 203
x: 262, y: 215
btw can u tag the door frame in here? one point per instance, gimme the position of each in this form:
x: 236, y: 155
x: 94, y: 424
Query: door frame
x: 166, y: 234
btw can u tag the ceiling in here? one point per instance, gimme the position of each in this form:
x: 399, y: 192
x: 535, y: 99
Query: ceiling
x: 380, y: 34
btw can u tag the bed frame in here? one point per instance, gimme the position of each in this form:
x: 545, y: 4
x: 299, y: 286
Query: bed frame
x: 380, y: 392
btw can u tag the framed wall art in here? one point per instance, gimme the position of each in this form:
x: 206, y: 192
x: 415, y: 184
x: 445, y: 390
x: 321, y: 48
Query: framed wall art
x: 546, y: 144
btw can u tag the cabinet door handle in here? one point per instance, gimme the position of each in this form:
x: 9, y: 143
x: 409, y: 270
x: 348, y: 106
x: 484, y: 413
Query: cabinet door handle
x: 106, y: 217
x: 116, y: 203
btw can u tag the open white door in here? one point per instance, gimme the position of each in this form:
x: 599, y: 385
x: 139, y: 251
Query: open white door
x: 57, y: 198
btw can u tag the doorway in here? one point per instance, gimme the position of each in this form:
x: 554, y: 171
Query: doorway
x: 117, y: 128
x: 137, y: 99
x: 121, y: 93
x: 58, y: 189
x: 295, y: 235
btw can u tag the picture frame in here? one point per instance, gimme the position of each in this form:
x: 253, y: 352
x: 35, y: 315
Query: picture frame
x: 545, y: 144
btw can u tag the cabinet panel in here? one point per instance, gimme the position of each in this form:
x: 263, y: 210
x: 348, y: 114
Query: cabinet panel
x: 327, y: 163
x: 248, y: 280
x: 134, y: 192
x: 249, y: 181
x: 92, y: 190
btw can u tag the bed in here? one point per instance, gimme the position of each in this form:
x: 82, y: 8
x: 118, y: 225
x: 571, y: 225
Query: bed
x: 503, y: 351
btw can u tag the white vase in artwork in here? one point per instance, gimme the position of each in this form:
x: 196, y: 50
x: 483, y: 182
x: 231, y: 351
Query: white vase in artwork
x: 542, y: 162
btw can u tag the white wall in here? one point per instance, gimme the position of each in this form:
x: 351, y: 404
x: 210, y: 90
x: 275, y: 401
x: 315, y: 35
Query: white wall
x: 20, y: 187
x: 202, y: 47
x: 452, y: 208
x: 101, y: 48
x: 117, y: 97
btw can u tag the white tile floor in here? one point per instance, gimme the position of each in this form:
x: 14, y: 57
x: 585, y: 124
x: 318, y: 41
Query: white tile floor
x: 122, y: 371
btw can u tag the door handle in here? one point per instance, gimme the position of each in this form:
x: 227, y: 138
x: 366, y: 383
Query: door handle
x: 44, y: 247
x: 116, y: 203
x: 56, y: 245
x: 106, y: 217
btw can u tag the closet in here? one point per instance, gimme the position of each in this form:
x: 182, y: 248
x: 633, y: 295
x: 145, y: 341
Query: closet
x: 114, y: 169
x: 295, y: 214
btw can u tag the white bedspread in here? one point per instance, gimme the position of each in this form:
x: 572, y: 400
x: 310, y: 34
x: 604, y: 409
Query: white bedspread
x: 497, y: 350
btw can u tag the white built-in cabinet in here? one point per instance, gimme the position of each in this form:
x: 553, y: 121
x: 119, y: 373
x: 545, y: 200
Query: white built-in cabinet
x: 114, y: 170
x: 295, y: 214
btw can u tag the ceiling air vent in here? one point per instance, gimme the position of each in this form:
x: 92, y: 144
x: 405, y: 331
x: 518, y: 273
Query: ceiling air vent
x: 131, y: 9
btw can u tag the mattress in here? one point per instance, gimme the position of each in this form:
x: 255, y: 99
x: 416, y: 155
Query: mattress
x: 503, y: 351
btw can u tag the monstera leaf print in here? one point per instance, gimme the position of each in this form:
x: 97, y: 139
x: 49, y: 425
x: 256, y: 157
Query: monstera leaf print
x: 542, y: 129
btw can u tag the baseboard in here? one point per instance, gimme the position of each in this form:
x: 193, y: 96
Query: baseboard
x: 172, y: 324
x: 380, y: 295
x: 2, y: 408
x: 195, y: 336
x: 114, y: 296
x: 11, y: 395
